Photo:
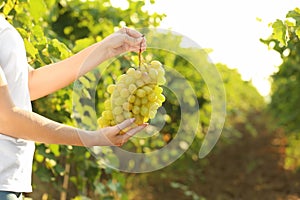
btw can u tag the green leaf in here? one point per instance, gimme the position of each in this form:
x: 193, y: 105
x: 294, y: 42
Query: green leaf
x: 38, y: 157
x: 294, y: 14
x: 2, y: 4
x: 61, y: 48
x: 37, y: 9
x: 8, y: 7
x: 81, y: 198
x: 23, y: 32
x: 30, y: 49
x: 39, y: 34
x: 55, y: 149
x: 82, y: 43
x: 279, y: 32
x: 297, y: 31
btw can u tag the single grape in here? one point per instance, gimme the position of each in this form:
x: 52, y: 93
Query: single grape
x: 107, y: 104
x: 153, y: 74
x: 110, y: 88
x: 141, y: 93
x: 127, y: 114
x: 117, y: 110
x: 107, y: 114
x: 122, y: 78
x: 144, y: 100
x: 127, y: 106
x: 131, y: 99
x: 161, y: 80
x: 118, y: 101
x: 129, y: 80
x: 120, y: 86
x: 144, y: 111
x: 137, y: 74
x: 154, y: 106
x: 136, y: 110
x: 158, y: 90
x: 152, y: 114
x: 161, y: 97
x: 146, y: 78
x: 124, y: 93
x: 137, y: 101
x: 132, y: 88
x: 147, y: 89
x: 139, y: 83
x: 131, y: 72
x: 119, y: 118
x: 152, y: 97
x: 155, y: 64
x: 139, y: 119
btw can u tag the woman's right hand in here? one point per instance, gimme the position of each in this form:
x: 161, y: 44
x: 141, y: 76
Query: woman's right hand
x: 113, y: 135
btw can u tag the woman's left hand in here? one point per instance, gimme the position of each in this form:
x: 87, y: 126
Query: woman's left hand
x: 124, y: 40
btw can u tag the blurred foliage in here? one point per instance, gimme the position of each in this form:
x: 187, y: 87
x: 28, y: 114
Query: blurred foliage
x: 285, y: 82
x: 292, y: 151
x: 56, y: 29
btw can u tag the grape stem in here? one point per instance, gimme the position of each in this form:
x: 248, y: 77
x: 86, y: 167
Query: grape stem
x: 140, y: 52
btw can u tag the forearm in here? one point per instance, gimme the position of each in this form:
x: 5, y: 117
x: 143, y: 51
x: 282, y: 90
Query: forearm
x: 31, y: 126
x: 48, y: 79
x: 19, y: 123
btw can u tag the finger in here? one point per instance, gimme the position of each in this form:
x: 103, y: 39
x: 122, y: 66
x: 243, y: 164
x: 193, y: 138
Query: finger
x: 131, y: 41
x: 135, y: 130
x: 141, y: 45
x: 139, y: 42
x: 126, y: 123
x: 131, y: 32
x: 137, y: 47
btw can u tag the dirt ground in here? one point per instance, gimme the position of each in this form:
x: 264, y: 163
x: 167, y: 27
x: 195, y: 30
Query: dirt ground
x: 249, y: 169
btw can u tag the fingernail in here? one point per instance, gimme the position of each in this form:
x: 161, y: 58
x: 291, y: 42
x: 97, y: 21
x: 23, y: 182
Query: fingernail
x: 132, y: 119
x: 145, y: 124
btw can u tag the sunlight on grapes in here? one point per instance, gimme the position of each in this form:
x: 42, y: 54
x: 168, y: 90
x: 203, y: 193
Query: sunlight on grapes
x: 137, y: 94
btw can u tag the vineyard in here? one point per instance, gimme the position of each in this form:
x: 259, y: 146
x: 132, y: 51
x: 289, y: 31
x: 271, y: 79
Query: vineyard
x: 187, y: 99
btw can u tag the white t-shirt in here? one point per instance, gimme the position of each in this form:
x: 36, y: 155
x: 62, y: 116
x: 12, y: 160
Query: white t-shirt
x: 16, y: 155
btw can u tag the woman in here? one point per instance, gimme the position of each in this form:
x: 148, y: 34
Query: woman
x: 19, y: 84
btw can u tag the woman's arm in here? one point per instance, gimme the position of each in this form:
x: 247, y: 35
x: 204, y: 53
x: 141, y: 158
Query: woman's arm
x: 53, y: 77
x: 19, y: 123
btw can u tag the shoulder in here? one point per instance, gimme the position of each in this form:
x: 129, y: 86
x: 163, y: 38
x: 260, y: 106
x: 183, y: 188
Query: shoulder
x: 4, y: 24
x: 12, y: 49
x: 9, y: 36
x: 7, y: 31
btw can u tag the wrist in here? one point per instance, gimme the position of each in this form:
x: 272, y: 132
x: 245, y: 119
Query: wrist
x: 87, y: 138
x: 92, y: 57
x: 103, y: 50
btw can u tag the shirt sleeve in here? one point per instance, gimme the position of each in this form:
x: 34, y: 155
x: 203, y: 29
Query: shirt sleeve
x: 13, y: 59
x: 12, y: 47
x: 2, y: 78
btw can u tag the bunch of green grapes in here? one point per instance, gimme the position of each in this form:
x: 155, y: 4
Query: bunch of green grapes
x: 136, y: 94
